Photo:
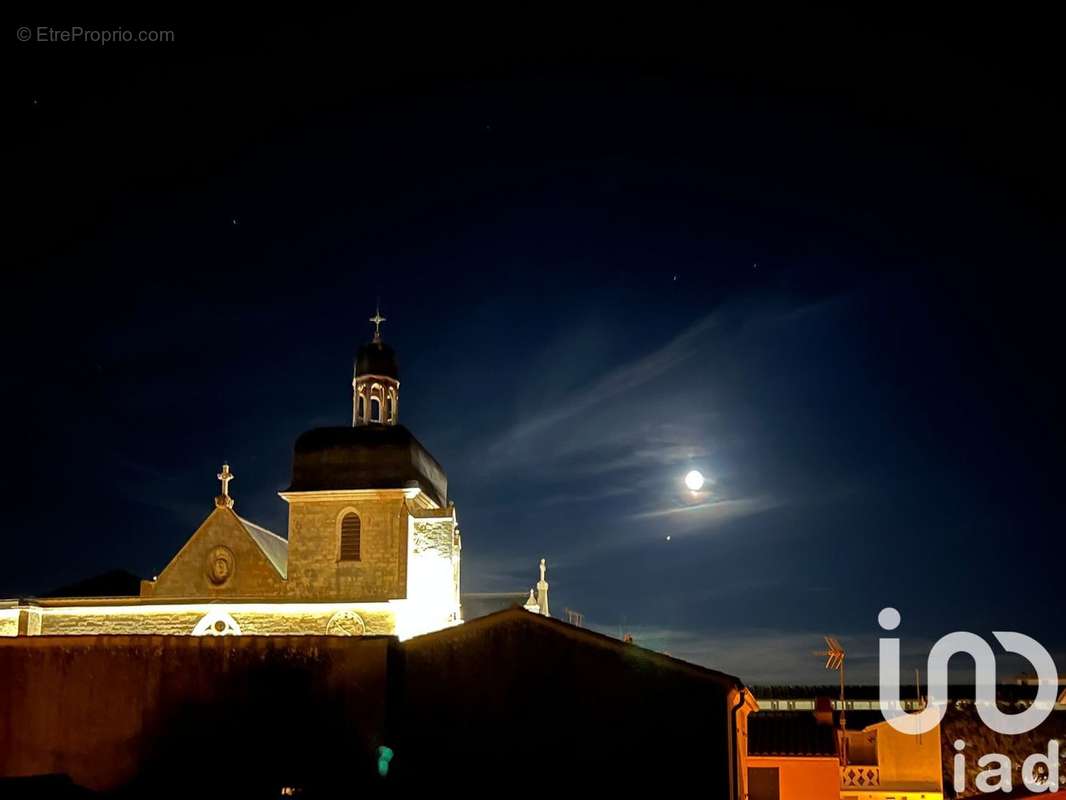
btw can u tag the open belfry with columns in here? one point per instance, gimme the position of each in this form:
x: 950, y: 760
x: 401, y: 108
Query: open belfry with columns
x: 373, y: 545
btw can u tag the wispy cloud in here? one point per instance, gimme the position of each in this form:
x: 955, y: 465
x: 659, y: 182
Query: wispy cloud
x: 614, y: 384
x: 769, y: 655
x: 714, y: 510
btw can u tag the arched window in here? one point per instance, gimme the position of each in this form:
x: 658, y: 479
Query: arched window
x: 362, y: 407
x: 375, y: 409
x: 350, y: 537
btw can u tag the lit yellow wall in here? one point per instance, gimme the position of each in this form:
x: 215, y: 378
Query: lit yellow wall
x: 909, y: 762
x: 187, y: 575
x: 253, y: 619
x: 9, y: 621
x: 433, y: 569
x: 315, y: 573
x: 812, y: 778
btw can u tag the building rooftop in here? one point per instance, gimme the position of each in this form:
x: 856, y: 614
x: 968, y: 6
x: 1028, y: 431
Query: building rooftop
x: 377, y: 358
x: 366, y: 457
x: 772, y: 733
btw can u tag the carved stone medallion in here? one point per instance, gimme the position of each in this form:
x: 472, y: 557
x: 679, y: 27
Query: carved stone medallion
x: 345, y: 623
x: 220, y: 565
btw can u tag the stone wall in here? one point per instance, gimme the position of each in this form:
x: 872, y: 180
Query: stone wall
x: 433, y: 558
x: 189, y: 572
x: 510, y: 703
x: 522, y: 703
x: 314, y: 545
x: 155, y: 714
x: 180, y: 619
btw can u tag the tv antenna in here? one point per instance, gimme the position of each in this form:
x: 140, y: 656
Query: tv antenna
x: 834, y: 659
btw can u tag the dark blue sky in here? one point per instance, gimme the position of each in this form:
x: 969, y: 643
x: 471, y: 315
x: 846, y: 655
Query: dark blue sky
x: 822, y: 264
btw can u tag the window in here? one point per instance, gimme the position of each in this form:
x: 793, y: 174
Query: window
x: 375, y: 409
x: 350, y: 529
x: 362, y: 407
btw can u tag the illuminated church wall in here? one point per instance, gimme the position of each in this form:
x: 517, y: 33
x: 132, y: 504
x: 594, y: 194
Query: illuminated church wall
x: 316, y: 571
x: 220, y: 560
x: 433, y: 557
x: 183, y: 619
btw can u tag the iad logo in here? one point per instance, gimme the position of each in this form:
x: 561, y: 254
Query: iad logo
x: 985, y: 689
x: 999, y: 766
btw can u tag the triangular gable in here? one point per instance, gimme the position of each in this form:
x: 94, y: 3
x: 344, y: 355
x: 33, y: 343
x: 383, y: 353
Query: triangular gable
x: 226, y: 556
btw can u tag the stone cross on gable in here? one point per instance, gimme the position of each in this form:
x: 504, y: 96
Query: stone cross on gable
x: 225, y: 476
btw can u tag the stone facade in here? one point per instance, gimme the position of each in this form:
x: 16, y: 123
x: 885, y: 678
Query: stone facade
x: 60, y: 618
x: 191, y: 572
x: 405, y: 581
x: 316, y: 571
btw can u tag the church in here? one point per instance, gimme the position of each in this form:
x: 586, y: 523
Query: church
x: 346, y: 633
x: 373, y: 545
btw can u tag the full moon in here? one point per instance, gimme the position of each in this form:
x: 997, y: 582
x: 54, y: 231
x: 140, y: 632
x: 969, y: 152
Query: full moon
x: 694, y: 480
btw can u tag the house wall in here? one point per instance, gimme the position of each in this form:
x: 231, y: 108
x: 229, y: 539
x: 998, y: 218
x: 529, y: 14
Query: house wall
x: 907, y: 761
x: 151, y: 712
x: 802, y: 778
x: 512, y: 703
x: 509, y: 703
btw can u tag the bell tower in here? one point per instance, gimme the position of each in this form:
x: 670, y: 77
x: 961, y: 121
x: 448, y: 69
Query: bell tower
x: 376, y: 385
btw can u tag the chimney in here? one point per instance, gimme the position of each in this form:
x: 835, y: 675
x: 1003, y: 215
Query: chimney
x: 823, y: 711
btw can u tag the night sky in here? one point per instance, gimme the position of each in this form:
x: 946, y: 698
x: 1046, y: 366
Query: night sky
x: 819, y: 259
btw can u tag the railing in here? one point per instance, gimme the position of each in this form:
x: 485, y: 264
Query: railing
x: 855, y: 776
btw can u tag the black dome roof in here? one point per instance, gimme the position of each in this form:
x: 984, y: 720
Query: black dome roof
x: 365, y: 457
x: 377, y: 358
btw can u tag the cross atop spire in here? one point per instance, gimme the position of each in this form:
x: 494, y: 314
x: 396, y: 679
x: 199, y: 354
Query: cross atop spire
x: 377, y: 319
x: 225, y: 476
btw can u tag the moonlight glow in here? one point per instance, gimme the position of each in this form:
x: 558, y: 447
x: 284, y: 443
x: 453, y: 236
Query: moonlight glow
x: 694, y: 480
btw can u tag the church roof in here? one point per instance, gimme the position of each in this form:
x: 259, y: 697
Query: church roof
x: 273, y: 546
x: 365, y: 457
x: 377, y: 358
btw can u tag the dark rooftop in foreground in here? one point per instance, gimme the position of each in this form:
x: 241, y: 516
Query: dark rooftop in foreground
x: 788, y: 733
